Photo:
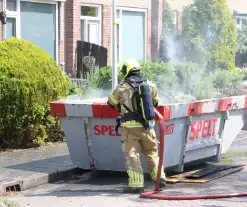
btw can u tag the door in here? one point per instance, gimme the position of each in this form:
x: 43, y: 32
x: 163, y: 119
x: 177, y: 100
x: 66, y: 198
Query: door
x: 133, y: 35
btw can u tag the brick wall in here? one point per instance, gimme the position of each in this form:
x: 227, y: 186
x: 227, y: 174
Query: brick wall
x: 149, y: 32
x: 178, y: 4
x: 61, y: 42
x: 72, y: 32
x: 179, y: 19
x: 157, y: 6
x: 107, y: 29
x: 122, y: 3
x: 1, y: 25
x: 237, y: 4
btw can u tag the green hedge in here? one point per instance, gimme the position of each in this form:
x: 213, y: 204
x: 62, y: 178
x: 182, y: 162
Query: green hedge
x: 29, y: 80
x: 209, y: 34
x: 183, y: 82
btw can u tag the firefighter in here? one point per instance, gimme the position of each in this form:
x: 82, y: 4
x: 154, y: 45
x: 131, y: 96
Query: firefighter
x: 137, y: 131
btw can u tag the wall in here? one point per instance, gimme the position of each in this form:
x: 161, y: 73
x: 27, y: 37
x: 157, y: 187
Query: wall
x: 157, y: 19
x: 72, y: 26
x: 1, y: 25
x: 61, y: 41
x: 178, y: 4
x: 237, y: 5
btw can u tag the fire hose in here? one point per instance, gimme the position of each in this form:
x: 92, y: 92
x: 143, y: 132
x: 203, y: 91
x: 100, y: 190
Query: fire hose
x: 153, y: 194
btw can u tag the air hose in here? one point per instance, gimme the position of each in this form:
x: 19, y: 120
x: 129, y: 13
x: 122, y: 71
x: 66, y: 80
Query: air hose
x: 153, y: 194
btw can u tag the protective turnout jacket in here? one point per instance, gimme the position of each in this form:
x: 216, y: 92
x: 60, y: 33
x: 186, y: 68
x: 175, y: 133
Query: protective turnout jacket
x: 122, y: 95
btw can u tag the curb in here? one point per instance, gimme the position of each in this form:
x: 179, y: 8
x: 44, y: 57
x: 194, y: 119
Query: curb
x: 20, y: 184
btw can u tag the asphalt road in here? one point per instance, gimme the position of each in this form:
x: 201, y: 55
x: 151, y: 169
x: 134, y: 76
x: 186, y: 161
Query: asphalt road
x: 104, y: 191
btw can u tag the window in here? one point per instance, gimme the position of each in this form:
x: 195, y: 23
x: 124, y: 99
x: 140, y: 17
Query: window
x: 12, y: 13
x: 11, y: 5
x: 11, y: 27
x: 89, y: 11
x: 175, y: 17
x: 91, y: 24
x: 241, y: 21
x: 42, y: 34
x: 34, y: 21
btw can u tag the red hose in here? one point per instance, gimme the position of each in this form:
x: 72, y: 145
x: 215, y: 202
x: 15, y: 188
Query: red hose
x: 153, y: 194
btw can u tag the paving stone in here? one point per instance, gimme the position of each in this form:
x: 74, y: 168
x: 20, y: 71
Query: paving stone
x: 35, y: 166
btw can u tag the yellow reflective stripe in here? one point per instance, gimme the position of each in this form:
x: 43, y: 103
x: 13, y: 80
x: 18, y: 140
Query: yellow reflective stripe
x: 135, y: 179
x: 135, y: 175
x: 134, y: 124
x: 113, y: 100
x: 131, y: 124
x: 155, y: 172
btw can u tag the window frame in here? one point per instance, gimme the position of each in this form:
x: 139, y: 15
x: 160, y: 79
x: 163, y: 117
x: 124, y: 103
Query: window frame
x: 119, y: 21
x: 16, y: 14
x: 175, y: 16
x: 240, y: 17
x: 241, y: 14
x: 5, y: 31
x: 89, y: 18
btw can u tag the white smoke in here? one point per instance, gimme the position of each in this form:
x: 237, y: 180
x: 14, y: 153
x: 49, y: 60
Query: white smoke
x: 91, y: 95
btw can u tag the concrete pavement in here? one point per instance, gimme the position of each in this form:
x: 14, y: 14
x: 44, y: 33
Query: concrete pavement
x: 33, y: 167
x: 105, y: 191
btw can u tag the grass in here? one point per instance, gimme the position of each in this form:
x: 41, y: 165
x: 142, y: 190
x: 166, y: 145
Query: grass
x: 8, y: 203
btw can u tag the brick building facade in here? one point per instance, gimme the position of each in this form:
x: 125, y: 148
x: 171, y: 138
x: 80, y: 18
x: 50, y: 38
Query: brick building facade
x: 67, y: 21
x: 78, y: 26
x: 41, y: 22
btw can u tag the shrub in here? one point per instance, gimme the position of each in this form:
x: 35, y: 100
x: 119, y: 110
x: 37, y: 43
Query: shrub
x: 7, y: 203
x: 209, y: 32
x: 184, y: 82
x: 29, y: 80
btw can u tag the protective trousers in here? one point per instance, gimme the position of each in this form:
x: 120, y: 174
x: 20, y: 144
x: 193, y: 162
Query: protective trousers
x: 133, y: 140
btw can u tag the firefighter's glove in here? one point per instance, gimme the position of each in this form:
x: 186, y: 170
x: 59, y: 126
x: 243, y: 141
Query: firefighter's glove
x: 149, y: 125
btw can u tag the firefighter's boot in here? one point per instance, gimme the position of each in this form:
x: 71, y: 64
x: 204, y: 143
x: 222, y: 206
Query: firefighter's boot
x: 162, y: 178
x: 130, y: 190
x: 162, y: 183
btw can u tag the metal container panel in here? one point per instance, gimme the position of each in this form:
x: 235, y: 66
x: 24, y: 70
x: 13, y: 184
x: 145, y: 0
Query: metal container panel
x: 76, y: 141
x: 204, y: 137
x: 233, y: 125
x: 175, y: 131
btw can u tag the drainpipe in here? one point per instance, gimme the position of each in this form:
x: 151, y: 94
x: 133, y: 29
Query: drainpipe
x: 114, y: 46
x: 4, y: 25
x: 61, y: 14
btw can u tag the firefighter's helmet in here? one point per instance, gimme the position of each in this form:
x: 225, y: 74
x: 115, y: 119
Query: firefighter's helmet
x: 129, y: 65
